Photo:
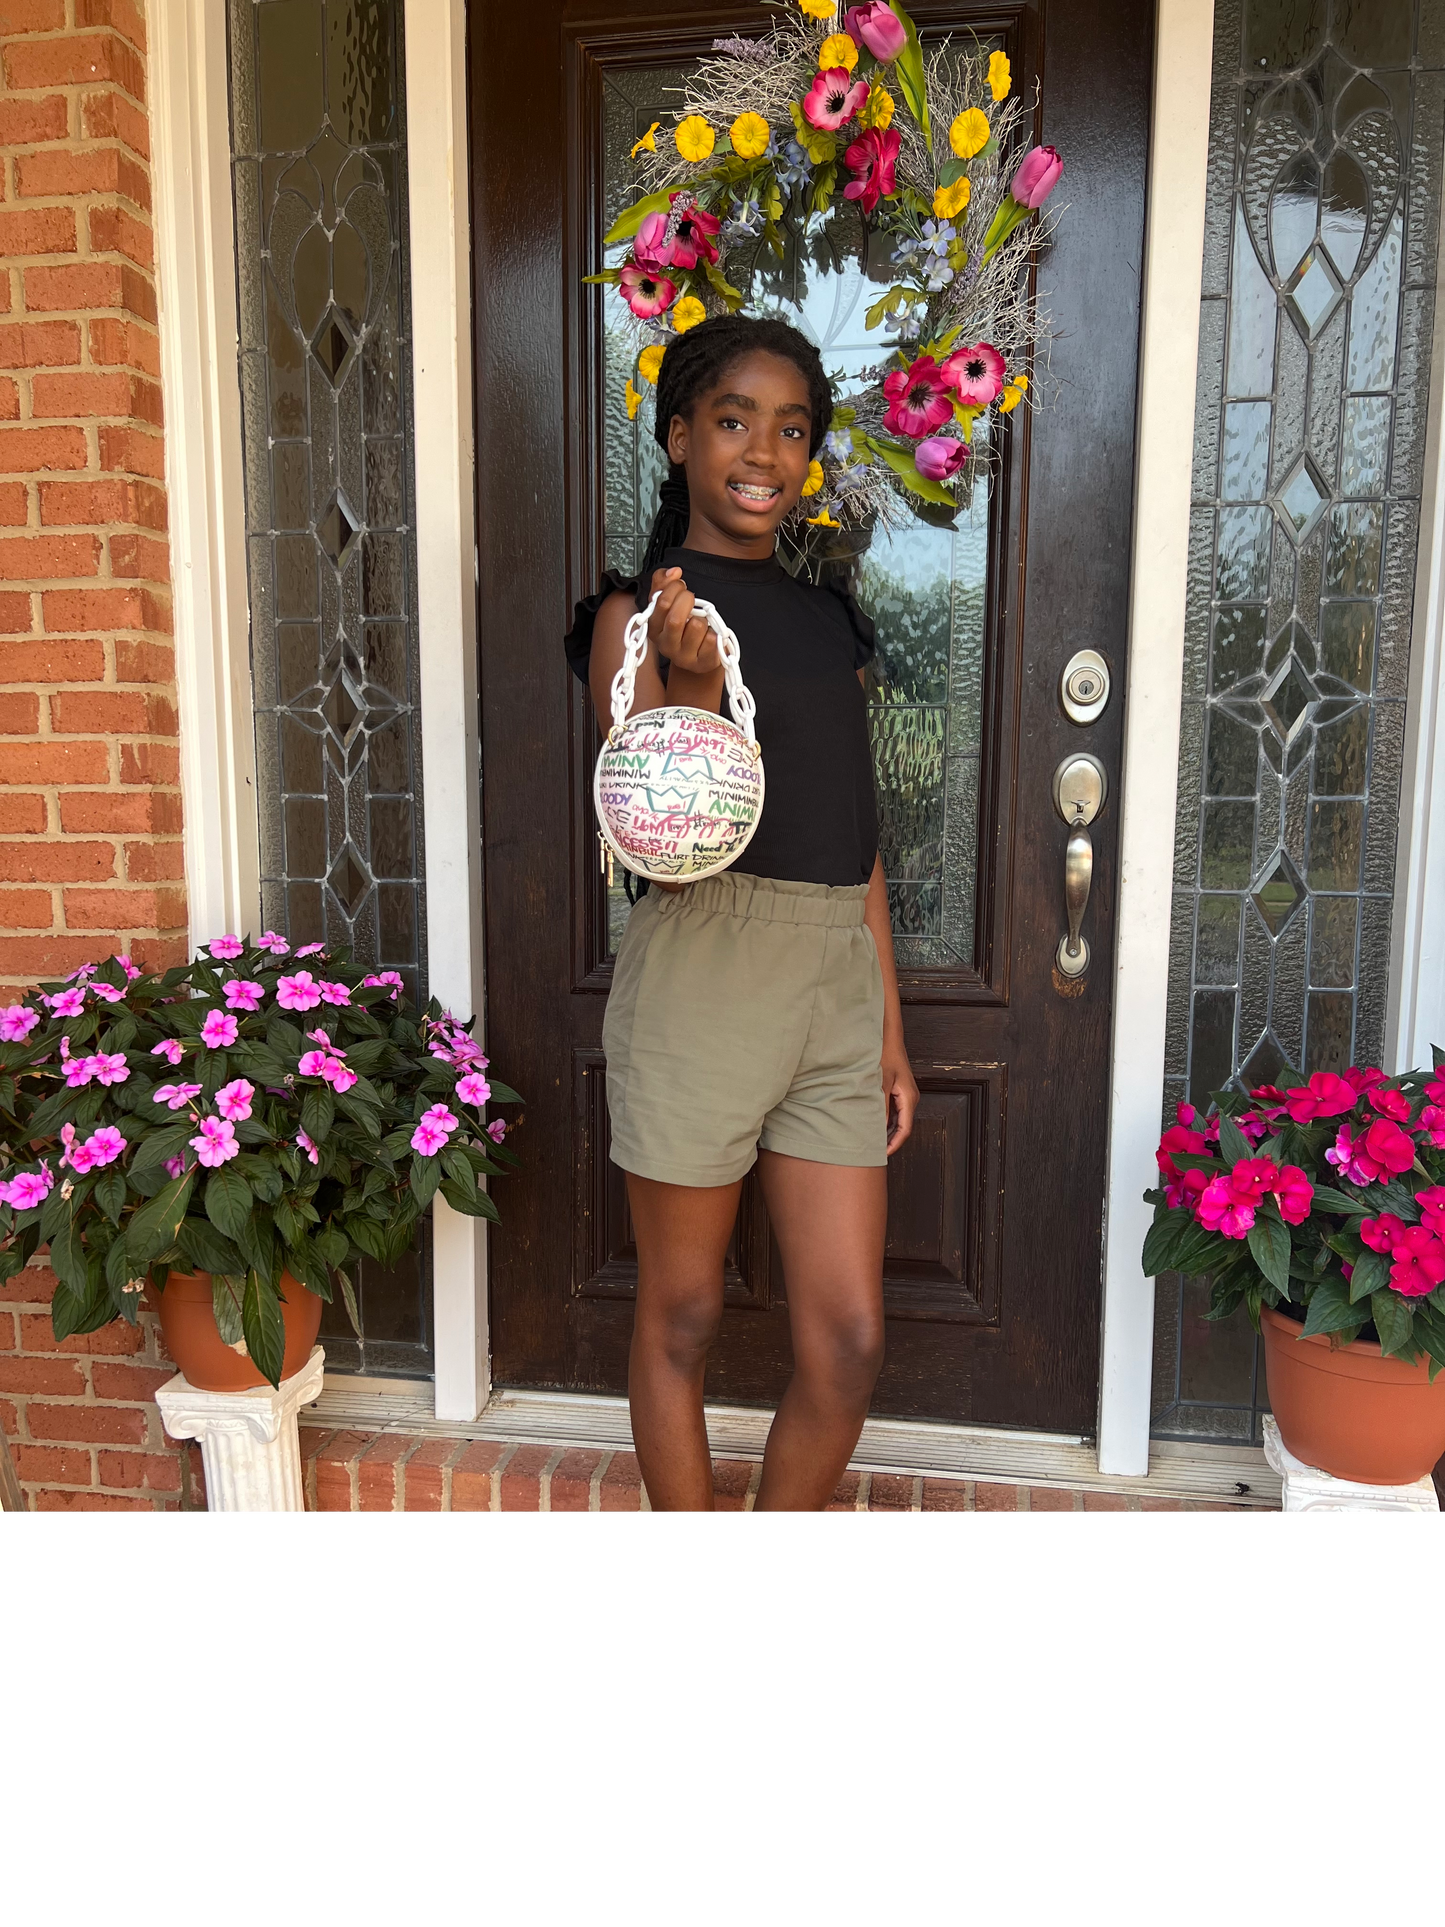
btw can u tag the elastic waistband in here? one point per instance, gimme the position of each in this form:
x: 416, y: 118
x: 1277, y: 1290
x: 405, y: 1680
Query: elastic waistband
x: 836, y: 906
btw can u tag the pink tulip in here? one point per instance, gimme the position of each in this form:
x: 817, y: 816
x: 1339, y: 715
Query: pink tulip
x: 878, y: 28
x: 1037, y: 177
x: 832, y: 99
x: 651, y: 249
x: 940, y: 457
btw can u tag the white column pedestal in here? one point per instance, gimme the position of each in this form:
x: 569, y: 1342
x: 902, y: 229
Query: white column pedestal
x: 249, y: 1441
x: 1307, y: 1489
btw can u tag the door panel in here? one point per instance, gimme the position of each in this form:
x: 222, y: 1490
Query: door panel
x: 992, y: 1268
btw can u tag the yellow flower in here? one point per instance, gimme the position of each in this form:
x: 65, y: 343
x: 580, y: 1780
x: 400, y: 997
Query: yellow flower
x: 634, y: 402
x: 695, y: 139
x: 750, y: 136
x: 688, y: 312
x: 649, y: 362
x: 877, y: 110
x: 949, y: 201
x: 999, y: 76
x: 815, y: 478
x: 838, y: 50
x: 968, y: 135
x: 818, y: 9
x: 823, y: 520
x: 648, y: 141
x: 1013, y: 393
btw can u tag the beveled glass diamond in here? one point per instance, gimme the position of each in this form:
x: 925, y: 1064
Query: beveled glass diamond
x: 1314, y: 293
x: 340, y: 710
x: 349, y: 880
x: 336, y: 530
x: 1264, y: 1064
x: 1278, y: 893
x: 1288, y: 700
x: 1303, y: 499
x: 334, y: 346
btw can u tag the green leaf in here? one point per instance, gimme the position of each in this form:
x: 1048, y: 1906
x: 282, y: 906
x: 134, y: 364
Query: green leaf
x: 344, y: 1280
x: 1233, y: 1144
x: 1163, y: 1236
x: 472, y: 1204
x: 1330, y: 1309
x: 1371, y: 1273
x: 332, y: 1245
x: 1269, y: 1246
x: 110, y: 1192
x: 1199, y: 1249
x: 228, y: 1202
x: 426, y: 1175
x: 67, y: 1255
x: 908, y: 65
x: 609, y: 278
x: 206, y: 1249
x: 155, y: 1225
x: 262, y: 1328
x: 1393, y: 1320
x: 1010, y: 215
x: 631, y: 218
x: 118, y: 1270
x: 902, y: 464
x: 227, y: 1293
x: 724, y: 289
x: 366, y: 1234
x: 318, y: 1114
x: 1329, y: 1199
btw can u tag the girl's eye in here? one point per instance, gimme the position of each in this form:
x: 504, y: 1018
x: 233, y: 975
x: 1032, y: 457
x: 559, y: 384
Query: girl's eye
x: 795, y: 434
x: 729, y: 421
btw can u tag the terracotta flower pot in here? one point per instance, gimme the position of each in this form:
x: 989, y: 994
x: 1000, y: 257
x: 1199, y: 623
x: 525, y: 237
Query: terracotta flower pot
x: 188, y: 1325
x: 1349, y: 1410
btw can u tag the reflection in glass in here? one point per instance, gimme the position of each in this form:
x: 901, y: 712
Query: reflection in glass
x: 1325, y: 172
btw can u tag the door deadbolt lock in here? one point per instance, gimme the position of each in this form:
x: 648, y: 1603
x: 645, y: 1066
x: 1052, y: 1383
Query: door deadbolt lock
x: 1084, y: 687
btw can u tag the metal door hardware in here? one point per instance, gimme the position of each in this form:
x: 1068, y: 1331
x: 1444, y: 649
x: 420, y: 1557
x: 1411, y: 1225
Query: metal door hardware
x: 1084, y: 686
x: 1081, y: 789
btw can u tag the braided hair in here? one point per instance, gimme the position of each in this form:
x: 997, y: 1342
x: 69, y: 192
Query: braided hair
x: 693, y: 364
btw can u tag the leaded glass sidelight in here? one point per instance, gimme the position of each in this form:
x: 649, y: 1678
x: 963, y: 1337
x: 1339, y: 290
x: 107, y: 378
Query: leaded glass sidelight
x: 319, y: 174
x: 925, y: 587
x: 1314, y: 362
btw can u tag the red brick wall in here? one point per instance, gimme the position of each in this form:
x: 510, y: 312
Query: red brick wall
x: 90, y: 806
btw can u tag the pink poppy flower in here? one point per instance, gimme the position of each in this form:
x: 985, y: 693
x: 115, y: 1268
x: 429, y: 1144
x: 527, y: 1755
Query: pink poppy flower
x: 28, y: 1189
x: 1432, y: 1123
x: 219, y: 1030
x: 242, y: 994
x: 1294, y: 1193
x: 339, y: 1076
x: 1325, y: 1095
x: 1390, y: 1147
x: 877, y: 27
x: 105, y: 1145
x: 1391, y: 1104
x: 311, y: 950
x: 110, y: 1068
x: 301, y: 992
x: 175, y: 1095
x: 1432, y: 1208
x: 1363, y: 1080
x: 693, y: 230
x: 1037, y: 176
x: 233, y: 1100
x: 308, y: 1147
x: 497, y: 1130
x: 334, y: 993
x: 1220, y: 1210
x: 428, y: 1138
x: 78, y: 1070
x: 16, y: 1023
x: 1419, y: 1262
x: 171, y: 1048
x: 872, y: 158
x: 216, y: 1142
x: 313, y: 1063
x: 976, y: 373
x: 940, y: 457
x: 646, y: 294
x: 269, y: 940
x: 917, y: 400
x: 474, y: 1089
x: 225, y: 948
x: 174, y: 1167
x: 833, y: 98
x: 1381, y: 1233
x: 68, y: 1003
x: 107, y: 993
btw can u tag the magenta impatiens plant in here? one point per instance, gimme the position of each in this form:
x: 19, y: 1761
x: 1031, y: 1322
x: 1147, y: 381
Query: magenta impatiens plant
x: 1321, y: 1197
x: 250, y: 1114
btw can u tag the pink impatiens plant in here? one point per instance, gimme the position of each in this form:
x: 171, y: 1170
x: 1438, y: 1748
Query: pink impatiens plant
x: 1322, y: 1198
x: 186, y: 1122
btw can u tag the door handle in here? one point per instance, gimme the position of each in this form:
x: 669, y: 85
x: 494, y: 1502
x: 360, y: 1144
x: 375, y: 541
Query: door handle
x: 1081, y: 788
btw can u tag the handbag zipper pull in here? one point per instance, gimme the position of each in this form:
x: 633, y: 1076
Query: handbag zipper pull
x: 604, y: 856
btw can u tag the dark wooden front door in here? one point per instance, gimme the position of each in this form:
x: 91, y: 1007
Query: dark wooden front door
x: 992, y: 1280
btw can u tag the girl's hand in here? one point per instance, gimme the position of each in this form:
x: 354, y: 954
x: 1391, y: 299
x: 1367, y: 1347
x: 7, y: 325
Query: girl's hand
x: 901, y: 1092
x: 675, y: 632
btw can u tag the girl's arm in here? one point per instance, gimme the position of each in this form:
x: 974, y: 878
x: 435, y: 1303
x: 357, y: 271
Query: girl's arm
x: 898, y: 1085
x: 695, y: 677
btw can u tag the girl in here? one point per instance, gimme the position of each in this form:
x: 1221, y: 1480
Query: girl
x: 754, y: 1015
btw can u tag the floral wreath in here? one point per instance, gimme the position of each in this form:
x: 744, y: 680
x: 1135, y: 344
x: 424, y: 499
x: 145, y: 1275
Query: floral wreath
x: 804, y: 107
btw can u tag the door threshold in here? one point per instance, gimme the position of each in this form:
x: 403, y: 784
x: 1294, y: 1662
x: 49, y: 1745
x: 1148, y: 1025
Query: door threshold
x: 1232, y: 1474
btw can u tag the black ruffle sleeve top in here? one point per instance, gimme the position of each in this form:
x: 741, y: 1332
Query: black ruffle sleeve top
x: 801, y: 650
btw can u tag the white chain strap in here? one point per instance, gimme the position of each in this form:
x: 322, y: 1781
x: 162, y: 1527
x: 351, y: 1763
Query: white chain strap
x: 634, y: 654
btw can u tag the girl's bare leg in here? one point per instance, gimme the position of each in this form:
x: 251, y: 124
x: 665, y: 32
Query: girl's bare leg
x: 830, y: 1221
x: 682, y: 1238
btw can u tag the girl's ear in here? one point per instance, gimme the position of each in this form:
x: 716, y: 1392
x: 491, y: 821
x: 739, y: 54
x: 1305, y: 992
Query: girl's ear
x: 677, y: 440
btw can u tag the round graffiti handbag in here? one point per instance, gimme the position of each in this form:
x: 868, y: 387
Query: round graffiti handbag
x: 678, y: 791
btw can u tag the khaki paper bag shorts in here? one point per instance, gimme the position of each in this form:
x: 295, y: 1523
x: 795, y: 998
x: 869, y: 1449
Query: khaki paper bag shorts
x: 745, y: 1013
